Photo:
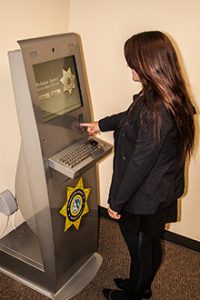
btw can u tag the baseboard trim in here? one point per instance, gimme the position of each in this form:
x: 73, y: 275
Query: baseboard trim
x: 181, y: 240
x: 168, y: 235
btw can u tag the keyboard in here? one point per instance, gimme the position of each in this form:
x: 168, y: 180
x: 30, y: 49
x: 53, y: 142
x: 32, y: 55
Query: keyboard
x: 79, y: 156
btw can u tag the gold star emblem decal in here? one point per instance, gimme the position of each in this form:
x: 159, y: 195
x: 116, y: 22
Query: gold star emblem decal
x: 76, y: 205
x: 68, y: 81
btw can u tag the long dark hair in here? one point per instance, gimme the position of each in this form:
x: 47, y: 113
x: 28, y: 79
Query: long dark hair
x: 152, y: 55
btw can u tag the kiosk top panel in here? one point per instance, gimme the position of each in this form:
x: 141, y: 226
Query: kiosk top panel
x: 59, y: 90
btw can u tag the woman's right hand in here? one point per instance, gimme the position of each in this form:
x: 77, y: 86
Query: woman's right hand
x: 92, y: 128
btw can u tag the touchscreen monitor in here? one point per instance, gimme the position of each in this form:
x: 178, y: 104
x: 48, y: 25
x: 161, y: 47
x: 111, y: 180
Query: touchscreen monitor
x: 58, y: 87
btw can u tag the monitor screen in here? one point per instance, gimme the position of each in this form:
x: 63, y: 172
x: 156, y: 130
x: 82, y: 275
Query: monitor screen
x: 58, y: 87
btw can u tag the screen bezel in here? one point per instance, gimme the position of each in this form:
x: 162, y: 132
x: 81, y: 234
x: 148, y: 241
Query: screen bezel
x: 63, y: 131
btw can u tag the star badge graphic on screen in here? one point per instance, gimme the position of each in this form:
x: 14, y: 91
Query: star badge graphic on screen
x: 68, y: 81
x: 76, y: 205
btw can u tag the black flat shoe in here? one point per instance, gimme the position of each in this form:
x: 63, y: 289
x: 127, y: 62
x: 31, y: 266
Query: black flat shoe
x: 124, y: 284
x: 119, y: 295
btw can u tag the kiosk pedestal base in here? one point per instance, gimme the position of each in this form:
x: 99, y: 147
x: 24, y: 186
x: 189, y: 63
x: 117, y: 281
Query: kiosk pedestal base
x: 80, y: 279
x: 73, y: 286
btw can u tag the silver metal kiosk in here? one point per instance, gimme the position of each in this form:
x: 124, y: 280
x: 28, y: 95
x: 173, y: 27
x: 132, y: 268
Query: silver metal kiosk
x: 54, y: 250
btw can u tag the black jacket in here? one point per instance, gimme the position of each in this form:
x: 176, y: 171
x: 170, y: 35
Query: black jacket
x: 147, y: 172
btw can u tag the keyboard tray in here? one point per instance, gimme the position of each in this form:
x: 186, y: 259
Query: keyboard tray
x: 74, y: 159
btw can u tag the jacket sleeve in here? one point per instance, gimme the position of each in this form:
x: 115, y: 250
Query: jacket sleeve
x: 111, y: 122
x: 142, y: 160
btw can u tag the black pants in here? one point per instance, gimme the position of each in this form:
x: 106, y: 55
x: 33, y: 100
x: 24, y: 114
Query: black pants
x: 143, y: 238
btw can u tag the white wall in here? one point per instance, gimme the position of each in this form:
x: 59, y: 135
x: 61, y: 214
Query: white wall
x: 104, y: 26
x: 20, y: 19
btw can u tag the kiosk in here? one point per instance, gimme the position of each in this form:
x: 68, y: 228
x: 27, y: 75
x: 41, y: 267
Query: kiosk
x: 55, y: 250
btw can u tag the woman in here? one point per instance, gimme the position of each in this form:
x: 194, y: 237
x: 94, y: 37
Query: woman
x: 151, y: 141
